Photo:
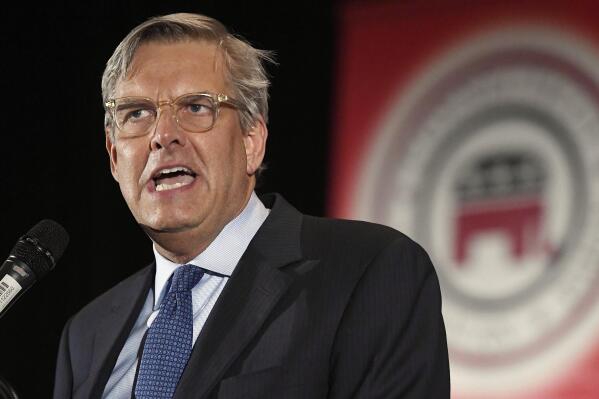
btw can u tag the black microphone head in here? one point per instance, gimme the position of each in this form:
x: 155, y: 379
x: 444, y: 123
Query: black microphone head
x: 51, y: 236
x: 42, y: 246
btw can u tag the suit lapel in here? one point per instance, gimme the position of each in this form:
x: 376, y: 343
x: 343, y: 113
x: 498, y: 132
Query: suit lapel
x: 114, y: 326
x: 253, y: 290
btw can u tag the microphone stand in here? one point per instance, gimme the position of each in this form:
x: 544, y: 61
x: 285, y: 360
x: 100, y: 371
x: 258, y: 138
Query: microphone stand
x: 6, y: 390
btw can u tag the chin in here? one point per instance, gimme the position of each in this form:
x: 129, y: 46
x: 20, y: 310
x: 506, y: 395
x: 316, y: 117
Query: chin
x: 169, y: 229
x: 166, y: 225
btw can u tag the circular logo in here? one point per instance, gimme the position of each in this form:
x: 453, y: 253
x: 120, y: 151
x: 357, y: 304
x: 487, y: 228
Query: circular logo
x: 490, y: 161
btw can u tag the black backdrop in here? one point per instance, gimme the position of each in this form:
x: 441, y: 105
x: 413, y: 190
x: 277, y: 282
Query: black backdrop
x: 54, y: 164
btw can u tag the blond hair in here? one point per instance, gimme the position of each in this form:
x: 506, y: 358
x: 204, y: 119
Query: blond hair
x: 243, y: 64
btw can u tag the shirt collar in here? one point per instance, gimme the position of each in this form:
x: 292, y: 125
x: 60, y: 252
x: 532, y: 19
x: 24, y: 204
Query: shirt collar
x: 223, y: 254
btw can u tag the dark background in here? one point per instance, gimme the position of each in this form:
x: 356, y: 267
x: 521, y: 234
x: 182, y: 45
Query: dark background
x: 54, y: 164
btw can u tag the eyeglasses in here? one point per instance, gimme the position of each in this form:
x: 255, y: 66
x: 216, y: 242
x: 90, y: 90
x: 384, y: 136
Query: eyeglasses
x: 193, y: 112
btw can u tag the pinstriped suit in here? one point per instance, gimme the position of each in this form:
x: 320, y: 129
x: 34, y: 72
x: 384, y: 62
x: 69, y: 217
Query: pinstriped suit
x: 316, y: 308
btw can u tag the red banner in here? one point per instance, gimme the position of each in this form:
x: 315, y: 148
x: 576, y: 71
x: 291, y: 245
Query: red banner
x: 474, y: 128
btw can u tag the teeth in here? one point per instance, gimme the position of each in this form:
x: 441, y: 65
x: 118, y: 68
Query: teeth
x: 175, y: 169
x: 164, y: 187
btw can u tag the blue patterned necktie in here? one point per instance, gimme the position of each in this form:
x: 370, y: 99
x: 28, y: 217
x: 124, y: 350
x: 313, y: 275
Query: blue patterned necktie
x: 169, y: 340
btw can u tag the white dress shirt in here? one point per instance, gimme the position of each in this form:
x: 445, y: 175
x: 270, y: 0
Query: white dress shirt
x: 218, y: 260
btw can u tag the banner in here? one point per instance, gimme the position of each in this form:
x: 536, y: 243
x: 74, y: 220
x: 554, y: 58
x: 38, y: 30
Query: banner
x: 473, y: 127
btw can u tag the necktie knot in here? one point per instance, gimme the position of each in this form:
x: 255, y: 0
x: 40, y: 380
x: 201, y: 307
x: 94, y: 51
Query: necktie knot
x: 185, y: 278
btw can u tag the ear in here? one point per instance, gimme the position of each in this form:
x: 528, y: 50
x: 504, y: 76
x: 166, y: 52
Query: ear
x: 111, y: 149
x: 255, y: 145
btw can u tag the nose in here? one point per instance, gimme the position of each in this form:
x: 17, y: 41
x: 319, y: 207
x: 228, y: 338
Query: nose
x: 167, y: 132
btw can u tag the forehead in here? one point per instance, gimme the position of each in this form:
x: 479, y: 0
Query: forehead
x: 164, y: 70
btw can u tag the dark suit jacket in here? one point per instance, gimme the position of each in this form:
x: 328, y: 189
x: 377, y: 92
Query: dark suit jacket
x: 316, y: 308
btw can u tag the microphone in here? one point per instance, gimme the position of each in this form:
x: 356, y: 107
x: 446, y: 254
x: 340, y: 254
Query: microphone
x: 34, y: 255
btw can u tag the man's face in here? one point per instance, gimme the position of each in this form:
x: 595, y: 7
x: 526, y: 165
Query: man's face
x: 212, y: 172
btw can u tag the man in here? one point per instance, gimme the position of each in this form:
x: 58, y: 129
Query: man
x: 248, y: 298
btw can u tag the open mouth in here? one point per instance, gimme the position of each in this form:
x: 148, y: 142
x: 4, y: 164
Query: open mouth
x: 172, y: 178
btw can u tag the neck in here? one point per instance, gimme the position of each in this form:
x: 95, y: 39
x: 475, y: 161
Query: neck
x: 184, y: 245
x: 173, y: 246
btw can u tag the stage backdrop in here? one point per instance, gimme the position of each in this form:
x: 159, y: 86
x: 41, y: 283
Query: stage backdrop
x: 473, y: 127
